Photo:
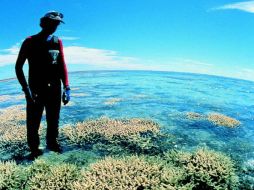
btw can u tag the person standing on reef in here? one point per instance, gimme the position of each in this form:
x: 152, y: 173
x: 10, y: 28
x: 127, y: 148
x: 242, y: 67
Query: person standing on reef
x: 47, y: 69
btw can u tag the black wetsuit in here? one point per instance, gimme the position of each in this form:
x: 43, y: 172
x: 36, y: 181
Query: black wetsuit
x: 47, y: 69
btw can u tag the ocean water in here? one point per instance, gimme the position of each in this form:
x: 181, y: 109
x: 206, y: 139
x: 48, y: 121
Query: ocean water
x: 164, y: 97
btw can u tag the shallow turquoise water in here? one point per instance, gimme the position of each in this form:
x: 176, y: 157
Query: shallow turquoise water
x: 164, y: 97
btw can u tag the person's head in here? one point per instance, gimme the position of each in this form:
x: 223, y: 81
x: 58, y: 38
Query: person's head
x: 50, y: 21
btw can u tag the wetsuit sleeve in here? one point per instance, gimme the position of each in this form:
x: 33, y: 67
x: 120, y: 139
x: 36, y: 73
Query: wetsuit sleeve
x: 64, y: 72
x: 22, y: 56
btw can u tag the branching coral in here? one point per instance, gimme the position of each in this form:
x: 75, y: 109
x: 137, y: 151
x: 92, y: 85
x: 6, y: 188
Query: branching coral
x: 247, y: 175
x: 12, y: 176
x: 13, y: 135
x: 222, y: 120
x: 12, y: 116
x: 176, y: 157
x: 135, y: 135
x: 211, y: 170
x: 13, y: 141
x: 203, y: 169
x: 216, y: 118
x: 127, y: 173
x: 44, y: 175
x: 108, y: 128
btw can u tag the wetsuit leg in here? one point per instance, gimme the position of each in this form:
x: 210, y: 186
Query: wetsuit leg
x: 53, y: 105
x: 34, y: 114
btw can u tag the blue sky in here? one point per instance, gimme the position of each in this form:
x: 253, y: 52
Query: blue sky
x: 200, y: 36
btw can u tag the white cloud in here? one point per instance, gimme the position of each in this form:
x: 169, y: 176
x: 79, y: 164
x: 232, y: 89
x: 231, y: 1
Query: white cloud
x: 84, y: 55
x: 183, y: 65
x: 7, y: 59
x: 245, y: 73
x: 78, y: 55
x: 112, y: 60
x: 9, y: 56
x: 247, y: 6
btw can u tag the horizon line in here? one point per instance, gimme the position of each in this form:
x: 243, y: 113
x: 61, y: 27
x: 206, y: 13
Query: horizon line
x: 115, y: 70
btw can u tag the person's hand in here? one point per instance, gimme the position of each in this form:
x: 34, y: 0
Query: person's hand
x: 66, y: 95
x: 28, y: 94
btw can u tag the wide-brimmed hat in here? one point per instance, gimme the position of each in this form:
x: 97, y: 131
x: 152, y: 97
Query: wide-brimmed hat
x: 54, y: 15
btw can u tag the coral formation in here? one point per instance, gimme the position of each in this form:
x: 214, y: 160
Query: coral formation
x: 222, y: 120
x: 12, y: 115
x: 203, y: 169
x: 206, y: 169
x: 194, y: 116
x: 247, y: 175
x: 128, y: 173
x: 79, y: 169
x: 12, y: 176
x: 13, y: 141
x: 108, y: 129
x: 215, y: 118
x: 47, y: 176
x: 134, y: 135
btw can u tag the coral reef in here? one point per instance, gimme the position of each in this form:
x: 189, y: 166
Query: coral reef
x: 215, y: 118
x: 108, y: 128
x: 222, y: 120
x: 13, y: 135
x: 13, y: 142
x: 135, y: 135
x: 47, y: 176
x: 12, y: 176
x: 247, y: 175
x: 128, y: 173
x: 194, y: 116
x: 206, y: 169
x: 176, y: 170
x: 12, y: 115
x: 79, y: 169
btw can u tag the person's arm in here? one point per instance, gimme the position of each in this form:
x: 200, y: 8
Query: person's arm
x: 64, y: 76
x: 64, y: 72
x: 19, y: 71
x: 22, y: 56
